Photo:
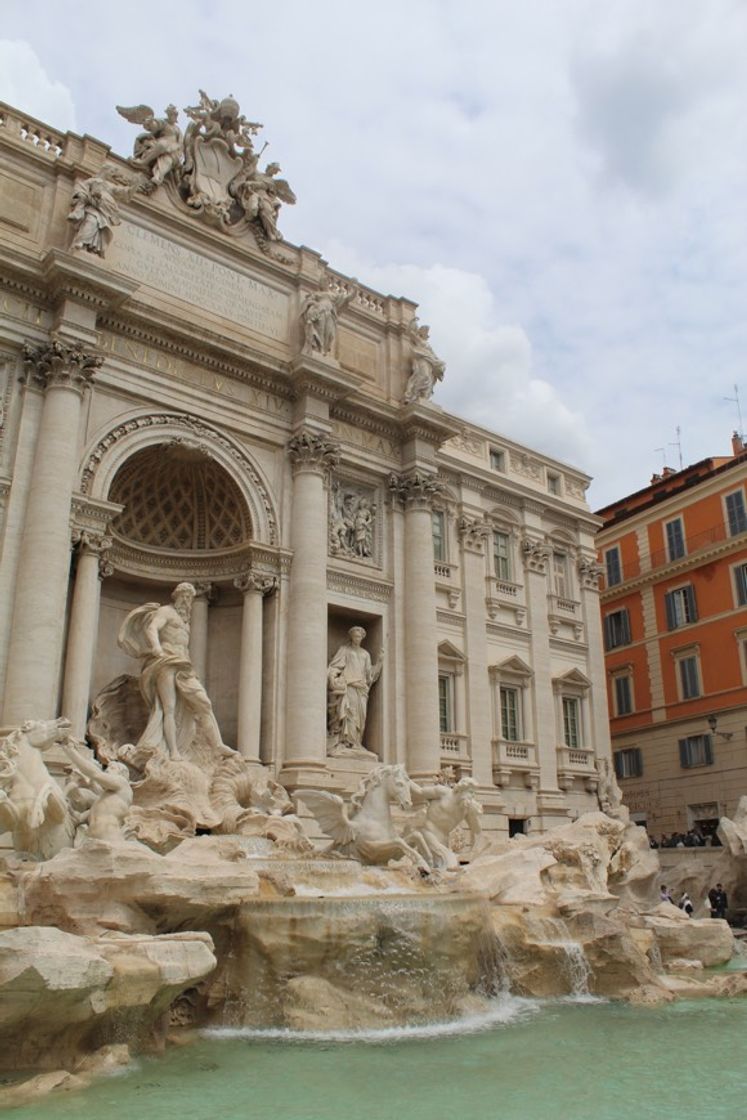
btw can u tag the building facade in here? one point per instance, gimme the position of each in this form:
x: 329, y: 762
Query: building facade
x: 674, y: 614
x: 188, y: 397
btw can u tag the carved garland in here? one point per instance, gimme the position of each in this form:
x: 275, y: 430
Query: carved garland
x: 189, y: 424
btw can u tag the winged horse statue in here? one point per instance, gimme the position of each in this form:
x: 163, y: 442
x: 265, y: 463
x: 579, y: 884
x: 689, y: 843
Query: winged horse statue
x: 367, y: 832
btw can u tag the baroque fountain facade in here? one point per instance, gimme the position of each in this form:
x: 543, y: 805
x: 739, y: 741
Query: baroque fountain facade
x: 313, y: 730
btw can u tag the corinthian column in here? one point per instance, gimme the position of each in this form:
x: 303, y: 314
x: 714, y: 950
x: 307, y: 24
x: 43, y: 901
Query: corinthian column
x: 198, y: 629
x: 84, y: 623
x: 313, y: 454
x: 63, y: 370
x: 473, y: 533
x: 589, y: 572
x: 536, y: 555
x: 254, y: 587
x: 417, y: 491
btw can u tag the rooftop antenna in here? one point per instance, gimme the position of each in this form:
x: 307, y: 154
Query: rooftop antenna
x: 663, y: 456
x: 678, y: 443
x: 735, y: 400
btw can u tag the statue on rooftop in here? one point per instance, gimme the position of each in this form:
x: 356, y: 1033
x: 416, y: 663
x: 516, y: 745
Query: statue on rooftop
x: 319, y: 312
x: 94, y: 209
x: 158, y: 149
x: 426, y: 367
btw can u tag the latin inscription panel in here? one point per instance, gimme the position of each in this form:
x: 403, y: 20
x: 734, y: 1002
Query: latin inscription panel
x: 178, y: 271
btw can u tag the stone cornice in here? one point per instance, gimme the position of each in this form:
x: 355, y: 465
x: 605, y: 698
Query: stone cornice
x: 92, y: 513
x: 427, y: 422
x: 322, y: 378
x: 358, y: 586
x: 82, y: 279
x: 196, y: 567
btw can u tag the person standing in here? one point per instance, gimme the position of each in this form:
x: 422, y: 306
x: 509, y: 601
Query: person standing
x: 718, y: 901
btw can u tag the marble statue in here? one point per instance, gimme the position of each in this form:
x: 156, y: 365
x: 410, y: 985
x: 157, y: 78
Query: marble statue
x: 261, y: 195
x: 158, y: 149
x: 214, y: 167
x: 319, y: 312
x: 426, y: 368
x: 367, y: 832
x: 447, y: 808
x: 178, y: 704
x: 609, y: 794
x: 94, y: 209
x: 32, y: 805
x: 350, y: 677
x: 351, y: 523
x: 111, y: 794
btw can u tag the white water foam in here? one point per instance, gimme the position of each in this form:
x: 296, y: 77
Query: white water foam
x: 503, y: 1011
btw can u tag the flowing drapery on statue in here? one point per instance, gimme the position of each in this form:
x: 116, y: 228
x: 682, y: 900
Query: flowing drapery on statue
x: 180, y: 712
x: 350, y: 677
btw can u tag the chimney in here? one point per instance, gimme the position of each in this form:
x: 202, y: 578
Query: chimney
x: 737, y: 446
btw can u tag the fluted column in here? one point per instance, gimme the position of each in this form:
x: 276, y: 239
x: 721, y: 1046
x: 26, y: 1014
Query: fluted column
x: 64, y: 370
x: 198, y: 629
x: 536, y: 555
x: 473, y: 533
x: 416, y: 490
x: 589, y: 572
x: 83, y: 627
x: 254, y: 587
x: 312, y: 455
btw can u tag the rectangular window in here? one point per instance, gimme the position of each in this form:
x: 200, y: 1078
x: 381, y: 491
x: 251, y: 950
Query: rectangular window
x: 687, y: 667
x: 502, y: 555
x: 560, y: 574
x: 628, y: 763
x: 696, y: 750
x: 740, y: 582
x: 736, y: 513
x: 497, y: 459
x: 623, y: 686
x: 680, y: 607
x: 439, y: 535
x: 675, y: 539
x: 571, y: 722
x: 616, y: 629
x: 613, y: 565
x: 510, y: 714
x: 445, y: 702
x: 553, y: 483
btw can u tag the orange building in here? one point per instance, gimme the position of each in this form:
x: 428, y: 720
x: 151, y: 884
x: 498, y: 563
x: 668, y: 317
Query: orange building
x: 674, y: 613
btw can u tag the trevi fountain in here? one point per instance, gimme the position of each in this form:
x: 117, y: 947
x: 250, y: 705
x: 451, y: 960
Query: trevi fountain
x: 324, y: 916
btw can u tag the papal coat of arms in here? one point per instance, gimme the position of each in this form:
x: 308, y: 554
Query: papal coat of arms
x: 213, y: 165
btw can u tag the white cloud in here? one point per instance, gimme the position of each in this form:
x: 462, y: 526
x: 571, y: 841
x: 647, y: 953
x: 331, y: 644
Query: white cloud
x: 25, y: 84
x: 565, y: 180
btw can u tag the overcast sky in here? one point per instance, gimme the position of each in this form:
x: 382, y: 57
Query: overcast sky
x: 560, y: 184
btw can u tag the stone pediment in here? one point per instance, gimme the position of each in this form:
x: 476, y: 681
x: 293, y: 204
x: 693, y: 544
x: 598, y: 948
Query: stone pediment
x: 449, y: 652
x: 514, y: 666
x: 573, y: 678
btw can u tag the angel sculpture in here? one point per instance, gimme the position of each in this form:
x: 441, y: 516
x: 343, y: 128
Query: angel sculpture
x: 261, y: 194
x: 158, y: 150
x: 367, y: 834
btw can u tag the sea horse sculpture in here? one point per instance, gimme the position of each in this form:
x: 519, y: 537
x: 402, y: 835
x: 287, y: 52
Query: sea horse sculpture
x: 367, y: 833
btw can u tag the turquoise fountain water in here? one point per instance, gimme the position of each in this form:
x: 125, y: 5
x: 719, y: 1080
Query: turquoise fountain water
x: 521, y: 1060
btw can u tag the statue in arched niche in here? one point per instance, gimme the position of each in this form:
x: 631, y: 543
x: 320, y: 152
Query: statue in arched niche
x: 350, y: 678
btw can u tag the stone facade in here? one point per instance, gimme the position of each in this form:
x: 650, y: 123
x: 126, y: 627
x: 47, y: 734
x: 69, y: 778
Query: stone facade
x: 167, y: 415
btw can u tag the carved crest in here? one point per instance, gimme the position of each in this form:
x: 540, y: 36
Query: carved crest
x: 213, y: 167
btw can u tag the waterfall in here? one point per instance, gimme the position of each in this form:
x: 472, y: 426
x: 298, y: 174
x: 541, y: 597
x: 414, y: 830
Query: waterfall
x: 654, y: 956
x: 493, y: 962
x: 553, y: 932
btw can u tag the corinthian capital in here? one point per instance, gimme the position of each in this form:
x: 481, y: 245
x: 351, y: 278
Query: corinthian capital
x: 589, y: 572
x: 255, y: 581
x: 473, y: 532
x: 60, y: 363
x: 416, y: 489
x: 313, y: 451
x: 535, y: 555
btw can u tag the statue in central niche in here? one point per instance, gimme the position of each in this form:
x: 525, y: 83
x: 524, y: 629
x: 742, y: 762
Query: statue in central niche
x: 350, y: 678
x: 177, y: 702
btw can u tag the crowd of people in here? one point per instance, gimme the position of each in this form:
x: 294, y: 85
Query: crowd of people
x: 716, y: 901
x: 690, y: 839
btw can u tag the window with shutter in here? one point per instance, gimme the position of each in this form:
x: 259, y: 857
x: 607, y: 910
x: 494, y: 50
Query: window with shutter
x: 736, y: 513
x: 613, y: 566
x: 617, y: 628
x: 675, y: 539
x: 695, y: 750
x: 680, y: 607
x: 740, y: 582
